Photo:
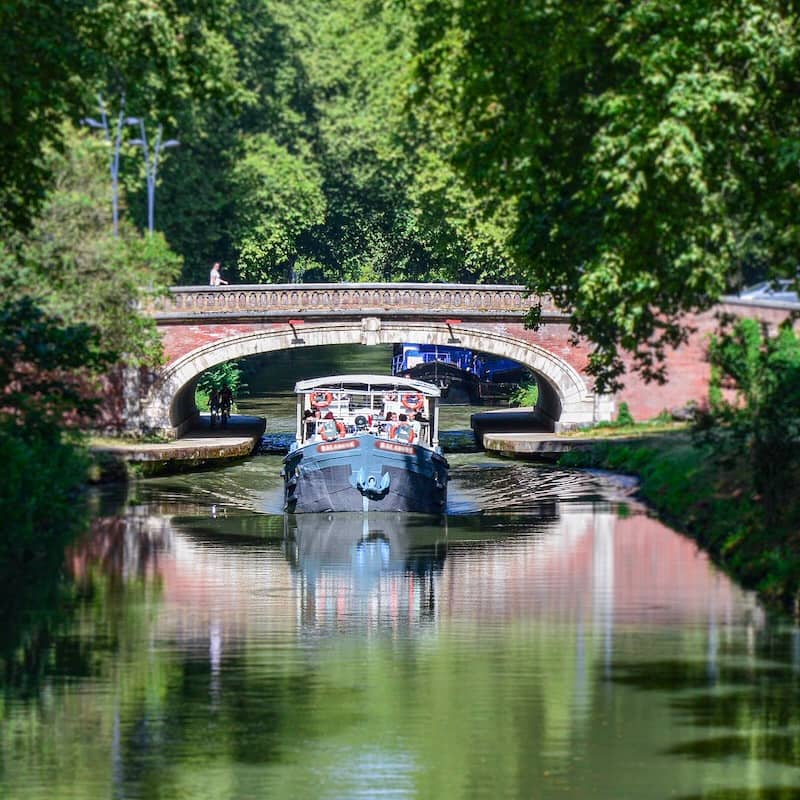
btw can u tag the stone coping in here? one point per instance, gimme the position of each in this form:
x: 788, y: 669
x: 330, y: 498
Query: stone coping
x: 237, y: 439
x: 534, y: 444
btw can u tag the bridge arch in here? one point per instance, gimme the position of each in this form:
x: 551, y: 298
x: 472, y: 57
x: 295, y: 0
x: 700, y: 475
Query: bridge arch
x: 564, y: 397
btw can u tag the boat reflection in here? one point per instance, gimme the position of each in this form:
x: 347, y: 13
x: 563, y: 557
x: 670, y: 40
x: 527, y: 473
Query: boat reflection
x: 382, y: 567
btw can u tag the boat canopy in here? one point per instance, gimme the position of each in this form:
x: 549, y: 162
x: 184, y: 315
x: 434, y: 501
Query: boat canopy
x: 370, y: 383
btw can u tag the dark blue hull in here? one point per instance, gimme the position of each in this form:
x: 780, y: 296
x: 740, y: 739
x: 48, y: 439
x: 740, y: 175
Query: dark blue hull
x: 364, y: 473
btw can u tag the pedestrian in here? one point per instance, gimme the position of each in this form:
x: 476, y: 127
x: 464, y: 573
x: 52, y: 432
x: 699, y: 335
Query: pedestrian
x: 215, y: 278
x: 213, y: 405
x: 225, y: 403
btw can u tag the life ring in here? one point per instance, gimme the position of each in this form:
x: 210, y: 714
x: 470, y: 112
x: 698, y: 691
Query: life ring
x: 413, y: 401
x: 320, y: 399
x: 402, y: 431
x: 330, y: 430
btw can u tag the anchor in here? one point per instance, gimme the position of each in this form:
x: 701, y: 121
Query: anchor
x: 368, y: 484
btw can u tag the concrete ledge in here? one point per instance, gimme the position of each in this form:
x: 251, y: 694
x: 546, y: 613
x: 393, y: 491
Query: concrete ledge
x: 201, y: 446
x: 532, y: 445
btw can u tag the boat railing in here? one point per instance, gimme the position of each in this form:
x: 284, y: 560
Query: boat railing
x: 346, y: 426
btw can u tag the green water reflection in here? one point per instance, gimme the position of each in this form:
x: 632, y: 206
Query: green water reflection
x: 549, y: 648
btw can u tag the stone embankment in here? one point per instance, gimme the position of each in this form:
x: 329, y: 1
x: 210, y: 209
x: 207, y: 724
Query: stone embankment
x: 522, y: 433
x: 200, y: 447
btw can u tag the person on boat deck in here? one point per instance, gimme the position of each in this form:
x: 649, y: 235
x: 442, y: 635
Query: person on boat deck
x: 389, y: 420
x: 310, y: 417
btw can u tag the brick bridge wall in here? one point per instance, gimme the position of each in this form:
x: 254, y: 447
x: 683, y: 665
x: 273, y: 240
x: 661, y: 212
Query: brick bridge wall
x: 203, y: 326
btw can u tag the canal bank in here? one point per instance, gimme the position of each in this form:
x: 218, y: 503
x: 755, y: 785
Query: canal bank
x: 526, y: 434
x: 203, y: 446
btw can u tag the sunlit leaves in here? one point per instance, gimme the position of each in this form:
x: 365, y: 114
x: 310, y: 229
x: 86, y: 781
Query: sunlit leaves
x: 756, y: 410
x: 278, y: 197
x: 643, y: 149
x: 74, y: 266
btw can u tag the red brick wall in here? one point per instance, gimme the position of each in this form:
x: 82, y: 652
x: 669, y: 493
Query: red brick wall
x: 688, y: 370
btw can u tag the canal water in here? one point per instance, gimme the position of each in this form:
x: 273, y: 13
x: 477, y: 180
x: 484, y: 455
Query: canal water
x: 547, y: 638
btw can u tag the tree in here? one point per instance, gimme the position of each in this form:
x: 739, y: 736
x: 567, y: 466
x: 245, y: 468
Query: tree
x: 48, y: 370
x: 164, y: 59
x: 755, y: 405
x: 278, y: 198
x: 644, y: 154
x: 74, y: 267
x: 34, y: 93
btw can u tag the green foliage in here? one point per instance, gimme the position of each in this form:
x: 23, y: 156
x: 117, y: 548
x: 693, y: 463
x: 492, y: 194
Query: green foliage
x: 71, y: 263
x: 624, y: 416
x: 34, y: 93
x: 526, y: 395
x: 298, y: 159
x: 227, y: 375
x: 165, y: 59
x: 625, y: 420
x: 755, y: 413
x: 640, y: 153
x: 278, y: 198
x: 48, y: 371
x: 40, y: 503
x: 48, y: 383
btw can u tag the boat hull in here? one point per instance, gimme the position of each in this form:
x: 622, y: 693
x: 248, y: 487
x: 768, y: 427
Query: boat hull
x: 364, y: 473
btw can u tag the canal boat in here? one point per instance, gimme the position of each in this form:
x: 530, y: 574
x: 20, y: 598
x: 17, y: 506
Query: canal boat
x: 366, y: 443
x: 462, y: 375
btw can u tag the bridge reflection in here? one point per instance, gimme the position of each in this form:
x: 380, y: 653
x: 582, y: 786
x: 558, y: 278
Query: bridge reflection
x: 250, y: 576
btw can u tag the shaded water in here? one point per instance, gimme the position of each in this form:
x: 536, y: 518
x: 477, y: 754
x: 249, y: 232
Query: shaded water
x: 546, y: 639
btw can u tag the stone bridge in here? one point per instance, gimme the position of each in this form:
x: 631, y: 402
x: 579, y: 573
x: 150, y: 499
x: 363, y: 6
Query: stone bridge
x: 202, y: 327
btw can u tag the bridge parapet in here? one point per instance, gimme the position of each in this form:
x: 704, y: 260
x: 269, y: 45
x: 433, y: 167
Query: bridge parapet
x: 418, y: 300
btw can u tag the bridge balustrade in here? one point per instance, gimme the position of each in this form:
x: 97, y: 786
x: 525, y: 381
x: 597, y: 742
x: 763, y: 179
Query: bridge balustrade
x: 278, y: 300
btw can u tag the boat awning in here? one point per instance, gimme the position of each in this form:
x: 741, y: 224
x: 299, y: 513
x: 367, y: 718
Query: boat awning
x: 370, y: 383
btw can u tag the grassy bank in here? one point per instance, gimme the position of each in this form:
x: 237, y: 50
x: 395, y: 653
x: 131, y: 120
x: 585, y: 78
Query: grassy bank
x: 711, y: 498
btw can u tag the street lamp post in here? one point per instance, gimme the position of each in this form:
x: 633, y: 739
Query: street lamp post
x: 115, y: 147
x: 151, y: 167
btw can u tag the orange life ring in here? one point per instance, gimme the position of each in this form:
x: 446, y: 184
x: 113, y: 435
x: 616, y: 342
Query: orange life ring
x: 320, y: 399
x: 405, y: 428
x: 413, y: 401
x: 330, y: 432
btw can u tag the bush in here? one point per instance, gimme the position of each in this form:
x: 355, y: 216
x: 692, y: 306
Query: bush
x: 624, y: 416
x: 41, y: 504
x: 755, y: 413
x: 227, y: 375
x: 525, y: 395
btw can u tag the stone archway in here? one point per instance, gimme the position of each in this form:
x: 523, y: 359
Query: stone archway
x: 564, y: 396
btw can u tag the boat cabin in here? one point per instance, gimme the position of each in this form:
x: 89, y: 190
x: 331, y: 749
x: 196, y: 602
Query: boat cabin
x: 390, y: 407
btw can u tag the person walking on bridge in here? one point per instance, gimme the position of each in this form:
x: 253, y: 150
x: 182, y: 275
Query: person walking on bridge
x: 215, y: 278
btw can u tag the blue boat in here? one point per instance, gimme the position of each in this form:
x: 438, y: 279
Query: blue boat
x: 366, y: 443
x: 462, y: 375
